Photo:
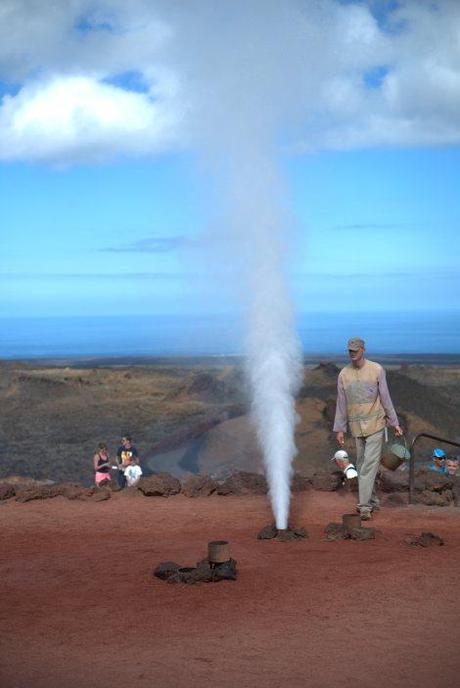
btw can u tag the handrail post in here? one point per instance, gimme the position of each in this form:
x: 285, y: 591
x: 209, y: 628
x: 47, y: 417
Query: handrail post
x: 412, y: 471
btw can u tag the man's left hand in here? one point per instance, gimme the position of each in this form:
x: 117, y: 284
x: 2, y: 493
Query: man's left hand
x: 398, y: 431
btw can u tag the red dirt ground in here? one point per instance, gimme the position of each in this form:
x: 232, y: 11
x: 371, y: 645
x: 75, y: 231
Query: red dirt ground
x: 80, y: 607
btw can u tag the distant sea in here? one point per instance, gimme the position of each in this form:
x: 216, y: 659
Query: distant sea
x: 325, y: 334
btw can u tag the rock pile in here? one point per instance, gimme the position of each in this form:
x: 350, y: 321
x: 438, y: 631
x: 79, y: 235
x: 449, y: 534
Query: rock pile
x: 436, y: 489
x: 425, y: 540
x: 432, y: 489
x: 349, y: 529
x: 271, y: 532
x: 30, y: 492
x: 337, y: 531
x: 204, y: 572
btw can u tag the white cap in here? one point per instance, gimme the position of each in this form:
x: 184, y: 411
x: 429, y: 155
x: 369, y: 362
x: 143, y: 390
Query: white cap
x: 340, y: 455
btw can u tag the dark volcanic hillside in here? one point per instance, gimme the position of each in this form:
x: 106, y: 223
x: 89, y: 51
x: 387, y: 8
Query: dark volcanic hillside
x: 52, y: 418
x: 188, y: 419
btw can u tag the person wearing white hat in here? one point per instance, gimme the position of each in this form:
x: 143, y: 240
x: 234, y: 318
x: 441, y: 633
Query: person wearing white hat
x: 342, y: 460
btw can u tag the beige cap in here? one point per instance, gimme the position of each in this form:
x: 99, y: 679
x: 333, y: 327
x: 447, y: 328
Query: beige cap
x: 356, y: 343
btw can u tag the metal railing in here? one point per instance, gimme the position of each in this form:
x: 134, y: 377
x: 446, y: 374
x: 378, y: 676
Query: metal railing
x: 412, y: 459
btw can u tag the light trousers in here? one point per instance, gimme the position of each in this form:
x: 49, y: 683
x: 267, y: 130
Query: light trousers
x: 368, y: 454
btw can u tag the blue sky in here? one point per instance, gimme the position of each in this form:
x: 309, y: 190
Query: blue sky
x: 373, y: 229
x: 107, y: 207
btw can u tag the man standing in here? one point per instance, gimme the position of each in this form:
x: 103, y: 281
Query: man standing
x: 363, y: 401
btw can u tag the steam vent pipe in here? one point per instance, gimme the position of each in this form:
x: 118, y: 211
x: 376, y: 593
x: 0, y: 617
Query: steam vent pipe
x: 351, y: 521
x: 218, y: 551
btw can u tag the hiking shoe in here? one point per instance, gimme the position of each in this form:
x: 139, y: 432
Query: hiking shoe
x: 366, y: 516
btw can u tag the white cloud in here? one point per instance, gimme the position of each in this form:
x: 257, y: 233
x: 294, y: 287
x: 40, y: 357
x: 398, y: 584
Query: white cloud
x: 289, y: 67
x: 78, y: 118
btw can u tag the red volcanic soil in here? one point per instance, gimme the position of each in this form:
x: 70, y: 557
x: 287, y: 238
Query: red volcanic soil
x: 80, y: 607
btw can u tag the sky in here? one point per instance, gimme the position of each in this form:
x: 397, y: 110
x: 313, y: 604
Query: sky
x: 111, y: 185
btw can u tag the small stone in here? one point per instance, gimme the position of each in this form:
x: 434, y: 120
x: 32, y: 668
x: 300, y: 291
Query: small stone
x: 267, y: 533
x: 202, y: 573
x: 300, y: 533
x: 335, y: 531
x: 435, y: 498
x: 225, y: 571
x: 361, y: 533
x: 425, y: 540
x: 174, y: 578
x: 100, y: 494
x: 166, y: 569
x: 185, y: 574
x: 6, y: 491
x: 199, y: 486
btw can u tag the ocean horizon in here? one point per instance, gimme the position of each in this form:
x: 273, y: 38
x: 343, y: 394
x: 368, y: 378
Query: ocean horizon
x: 399, y: 333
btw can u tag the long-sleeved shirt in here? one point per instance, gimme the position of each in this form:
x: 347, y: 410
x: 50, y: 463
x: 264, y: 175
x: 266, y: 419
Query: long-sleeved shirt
x: 363, y: 400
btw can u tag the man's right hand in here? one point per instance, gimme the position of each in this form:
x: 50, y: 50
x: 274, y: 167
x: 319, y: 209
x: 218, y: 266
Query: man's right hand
x: 340, y: 438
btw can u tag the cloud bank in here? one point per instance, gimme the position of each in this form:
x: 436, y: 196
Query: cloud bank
x: 89, y: 80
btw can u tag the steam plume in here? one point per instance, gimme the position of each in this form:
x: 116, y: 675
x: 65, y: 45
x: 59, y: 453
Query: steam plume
x: 274, y: 359
x: 274, y: 355
x: 235, y: 78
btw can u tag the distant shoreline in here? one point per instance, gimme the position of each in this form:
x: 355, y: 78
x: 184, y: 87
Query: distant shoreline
x: 428, y: 359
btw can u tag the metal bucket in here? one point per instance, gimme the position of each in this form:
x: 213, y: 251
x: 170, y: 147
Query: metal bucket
x: 218, y: 551
x: 396, y: 454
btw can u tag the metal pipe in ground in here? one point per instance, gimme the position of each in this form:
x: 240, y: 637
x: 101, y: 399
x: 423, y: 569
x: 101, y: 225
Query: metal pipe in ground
x: 218, y: 551
x: 350, y: 521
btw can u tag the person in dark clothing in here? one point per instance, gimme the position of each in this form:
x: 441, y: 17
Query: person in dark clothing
x: 125, y: 455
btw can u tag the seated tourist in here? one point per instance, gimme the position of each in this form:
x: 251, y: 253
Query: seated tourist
x: 453, y: 465
x: 438, y: 461
x: 343, y: 462
x: 133, y: 473
x: 101, y: 463
x: 126, y: 452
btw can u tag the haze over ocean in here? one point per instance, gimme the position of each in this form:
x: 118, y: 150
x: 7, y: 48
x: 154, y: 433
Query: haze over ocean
x: 433, y: 332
